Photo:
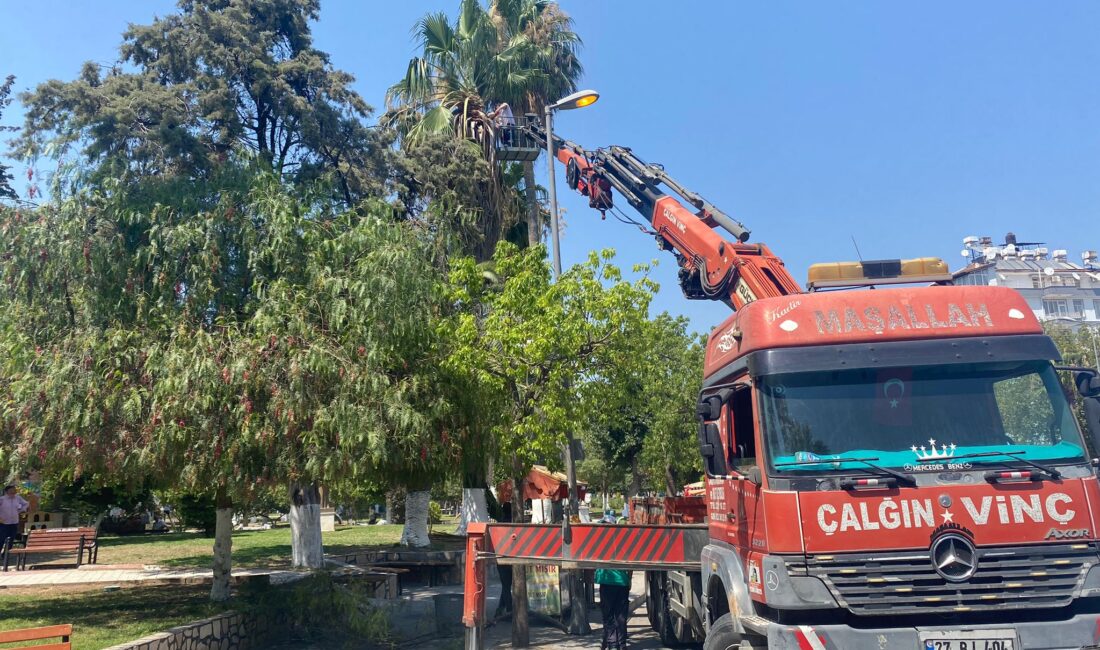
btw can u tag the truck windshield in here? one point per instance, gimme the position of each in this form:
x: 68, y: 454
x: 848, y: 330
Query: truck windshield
x: 918, y: 419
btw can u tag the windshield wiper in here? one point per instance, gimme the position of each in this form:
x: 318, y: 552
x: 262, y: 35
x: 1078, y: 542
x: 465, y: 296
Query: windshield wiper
x: 1014, y: 455
x: 904, y: 478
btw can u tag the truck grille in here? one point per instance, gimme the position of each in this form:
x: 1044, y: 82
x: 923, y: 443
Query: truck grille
x: 905, y: 583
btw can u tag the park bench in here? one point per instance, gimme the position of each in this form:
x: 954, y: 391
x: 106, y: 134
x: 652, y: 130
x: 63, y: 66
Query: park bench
x: 51, y: 632
x: 49, y: 541
x: 91, y: 544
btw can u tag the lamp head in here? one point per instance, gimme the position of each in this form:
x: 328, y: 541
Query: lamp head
x: 579, y: 99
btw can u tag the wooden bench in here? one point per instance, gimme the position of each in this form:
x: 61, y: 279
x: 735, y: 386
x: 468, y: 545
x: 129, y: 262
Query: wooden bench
x: 49, y: 540
x: 38, y: 634
x: 91, y: 545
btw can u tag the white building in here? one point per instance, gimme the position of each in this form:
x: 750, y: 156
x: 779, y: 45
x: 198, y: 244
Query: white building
x: 1055, y: 287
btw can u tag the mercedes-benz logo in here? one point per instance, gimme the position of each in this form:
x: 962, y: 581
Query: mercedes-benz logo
x: 771, y: 579
x: 954, y: 557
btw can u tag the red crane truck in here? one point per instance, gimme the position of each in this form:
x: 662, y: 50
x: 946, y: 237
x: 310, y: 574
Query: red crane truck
x: 889, y: 468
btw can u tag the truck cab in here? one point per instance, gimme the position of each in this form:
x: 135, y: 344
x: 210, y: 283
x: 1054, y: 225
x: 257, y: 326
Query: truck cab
x: 895, y: 468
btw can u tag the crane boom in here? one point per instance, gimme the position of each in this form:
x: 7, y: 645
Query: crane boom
x: 711, y: 268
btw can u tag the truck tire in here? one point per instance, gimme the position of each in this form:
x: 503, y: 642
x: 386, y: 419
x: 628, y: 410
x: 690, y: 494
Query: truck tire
x: 722, y: 635
x: 651, y: 600
x: 666, y: 624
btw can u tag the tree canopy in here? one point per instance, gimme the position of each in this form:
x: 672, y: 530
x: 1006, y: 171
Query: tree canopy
x: 516, y: 52
x: 218, y: 78
x: 237, y: 285
x: 534, y: 343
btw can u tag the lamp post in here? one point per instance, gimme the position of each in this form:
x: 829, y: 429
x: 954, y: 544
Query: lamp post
x: 579, y: 99
x: 578, y: 619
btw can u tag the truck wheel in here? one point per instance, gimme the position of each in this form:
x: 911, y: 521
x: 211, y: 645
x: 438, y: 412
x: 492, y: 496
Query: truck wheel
x: 722, y: 635
x: 666, y: 625
x: 651, y: 600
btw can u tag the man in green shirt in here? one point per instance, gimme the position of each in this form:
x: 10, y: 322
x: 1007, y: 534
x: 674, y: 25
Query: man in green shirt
x: 614, y: 606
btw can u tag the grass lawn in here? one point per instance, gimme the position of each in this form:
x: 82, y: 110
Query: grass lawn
x: 101, y: 619
x: 264, y: 548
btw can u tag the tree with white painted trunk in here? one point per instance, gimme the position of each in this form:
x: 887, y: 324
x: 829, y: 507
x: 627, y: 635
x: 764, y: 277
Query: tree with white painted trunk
x: 415, y: 532
x: 475, y: 507
x: 306, y: 549
x: 223, y: 548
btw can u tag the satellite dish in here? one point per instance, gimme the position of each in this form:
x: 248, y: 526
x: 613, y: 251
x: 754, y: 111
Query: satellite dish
x: 965, y: 253
x: 1049, y: 270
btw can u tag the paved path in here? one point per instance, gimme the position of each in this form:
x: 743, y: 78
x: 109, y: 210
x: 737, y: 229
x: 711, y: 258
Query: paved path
x: 119, y: 574
x: 416, y: 598
x: 499, y: 637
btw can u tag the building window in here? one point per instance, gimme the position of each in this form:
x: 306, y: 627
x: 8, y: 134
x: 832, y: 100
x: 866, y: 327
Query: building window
x: 1078, y: 309
x: 1096, y: 309
x: 1036, y: 282
x: 1056, y: 308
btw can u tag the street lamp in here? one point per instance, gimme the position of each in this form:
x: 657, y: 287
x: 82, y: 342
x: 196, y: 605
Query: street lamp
x: 579, y: 99
x: 578, y: 620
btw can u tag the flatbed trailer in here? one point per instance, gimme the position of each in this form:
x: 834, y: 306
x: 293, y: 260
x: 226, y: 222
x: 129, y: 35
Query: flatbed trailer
x: 668, y: 554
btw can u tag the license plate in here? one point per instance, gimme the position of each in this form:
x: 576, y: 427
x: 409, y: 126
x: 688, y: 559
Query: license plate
x: 968, y: 640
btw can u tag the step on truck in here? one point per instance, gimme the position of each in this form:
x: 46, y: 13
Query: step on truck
x: 897, y: 468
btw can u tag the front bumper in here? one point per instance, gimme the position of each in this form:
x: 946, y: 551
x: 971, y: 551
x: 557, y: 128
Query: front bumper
x: 1077, y: 633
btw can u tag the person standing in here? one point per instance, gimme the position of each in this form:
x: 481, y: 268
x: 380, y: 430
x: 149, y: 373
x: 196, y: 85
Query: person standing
x: 503, y: 121
x: 504, y: 605
x: 614, y: 606
x: 11, y: 506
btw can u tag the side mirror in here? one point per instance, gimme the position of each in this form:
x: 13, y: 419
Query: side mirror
x: 1086, y: 379
x: 1088, y: 383
x: 710, y: 448
x: 1092, y: 420
x: 710, y: 406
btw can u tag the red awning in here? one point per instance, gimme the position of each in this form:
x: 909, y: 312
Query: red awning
x: 541, y: 483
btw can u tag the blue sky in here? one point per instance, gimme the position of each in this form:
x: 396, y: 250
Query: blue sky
x: 906, y: 125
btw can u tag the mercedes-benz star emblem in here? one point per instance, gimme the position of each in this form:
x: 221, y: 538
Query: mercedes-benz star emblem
x: 954, y: 558
x: 772, y: 580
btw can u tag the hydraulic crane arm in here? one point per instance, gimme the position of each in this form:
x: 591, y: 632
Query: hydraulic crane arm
x: 711, y: 267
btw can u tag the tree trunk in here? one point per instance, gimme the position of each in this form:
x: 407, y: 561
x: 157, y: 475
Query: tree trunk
x: 223, y: 547
x: 306, y: 549
x: 534, y: 225
x: 390, y: 519
x: 671, y: 481
x: 574, y: 579
x: 475, y: 507
x: 415, y: 533
x: 635, y: 486
x: 521, y: 632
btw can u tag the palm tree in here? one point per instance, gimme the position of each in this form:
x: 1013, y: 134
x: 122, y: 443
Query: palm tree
x: 552, y: 48
x: 520, y: 52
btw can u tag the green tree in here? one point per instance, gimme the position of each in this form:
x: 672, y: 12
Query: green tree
x: 194, y: 87
x: 268, y: 339
x: 642, y: 411
x: 671, y: 451
x: 530, y: 344
x: 516, y: 52
x: 6, y: 191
